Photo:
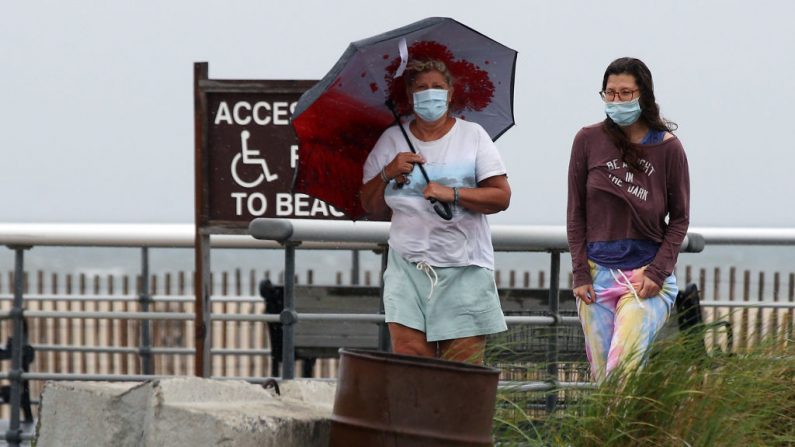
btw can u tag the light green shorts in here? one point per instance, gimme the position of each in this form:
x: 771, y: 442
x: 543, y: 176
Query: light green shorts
x: 463, y: 302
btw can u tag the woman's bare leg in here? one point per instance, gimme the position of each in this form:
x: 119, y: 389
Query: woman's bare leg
x: 406, y: 340
x: 467, y: 349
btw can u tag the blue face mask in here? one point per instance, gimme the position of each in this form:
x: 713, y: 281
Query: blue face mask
x: 431, y: 104
x: 623, y: 113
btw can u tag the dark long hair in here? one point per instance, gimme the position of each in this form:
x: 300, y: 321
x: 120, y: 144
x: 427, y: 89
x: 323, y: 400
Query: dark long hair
x: 649, y: 110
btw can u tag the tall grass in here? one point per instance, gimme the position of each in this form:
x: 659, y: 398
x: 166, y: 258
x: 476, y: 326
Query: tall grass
x: 681, y: 397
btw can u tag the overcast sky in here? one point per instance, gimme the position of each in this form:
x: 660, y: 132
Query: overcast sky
x: 96, y: 123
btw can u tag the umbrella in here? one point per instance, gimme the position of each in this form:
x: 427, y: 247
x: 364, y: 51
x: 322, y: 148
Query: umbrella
x: 338, y: 120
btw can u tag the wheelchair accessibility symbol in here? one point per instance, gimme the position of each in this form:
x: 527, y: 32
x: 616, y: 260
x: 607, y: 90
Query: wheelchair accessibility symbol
x: 250, y: 157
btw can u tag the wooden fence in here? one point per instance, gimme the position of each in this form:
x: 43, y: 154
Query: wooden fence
x: 104, y: 293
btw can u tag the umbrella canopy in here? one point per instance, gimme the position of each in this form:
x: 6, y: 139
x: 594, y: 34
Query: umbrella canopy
x: 339, y: 119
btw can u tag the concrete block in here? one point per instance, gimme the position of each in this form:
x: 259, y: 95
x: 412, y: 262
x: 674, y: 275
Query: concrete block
x: 92, y: 414
x: 183, y: 414
x: 186, y: 411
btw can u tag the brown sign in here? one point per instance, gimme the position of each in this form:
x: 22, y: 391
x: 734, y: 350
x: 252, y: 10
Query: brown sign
x: 250, y: 152
x: 245, y: 156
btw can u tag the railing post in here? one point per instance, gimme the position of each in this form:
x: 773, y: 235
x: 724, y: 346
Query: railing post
x: 14, y: 433
x: 144, y: 299
x: 355, y: 267
x: 288, y: 316
x: 383, y: 331
x: 552, y: 341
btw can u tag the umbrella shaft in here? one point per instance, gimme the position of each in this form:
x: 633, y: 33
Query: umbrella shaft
x: 424, y: 174
x: 392, y: 108
x: 411, y: 146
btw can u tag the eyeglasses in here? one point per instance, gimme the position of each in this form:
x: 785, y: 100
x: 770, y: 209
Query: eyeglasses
x: 623, y: 95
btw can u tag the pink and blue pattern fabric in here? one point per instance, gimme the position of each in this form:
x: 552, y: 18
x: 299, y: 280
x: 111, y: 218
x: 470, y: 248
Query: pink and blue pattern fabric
x: 620, y: 326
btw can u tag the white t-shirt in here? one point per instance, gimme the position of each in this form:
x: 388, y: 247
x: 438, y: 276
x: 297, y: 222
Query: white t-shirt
x: 463, y: 157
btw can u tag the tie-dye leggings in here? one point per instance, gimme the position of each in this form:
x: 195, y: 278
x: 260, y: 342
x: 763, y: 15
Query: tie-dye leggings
x: 619, y: 326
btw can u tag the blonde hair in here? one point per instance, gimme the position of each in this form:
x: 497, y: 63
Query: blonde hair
x: 415, y: 67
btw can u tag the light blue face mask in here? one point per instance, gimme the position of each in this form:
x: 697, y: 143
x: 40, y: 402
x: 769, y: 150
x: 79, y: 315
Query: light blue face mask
x: 431, y: 104
x: 623, y: 113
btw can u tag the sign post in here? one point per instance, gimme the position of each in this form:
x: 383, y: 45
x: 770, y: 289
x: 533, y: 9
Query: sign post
x: 245, y: 155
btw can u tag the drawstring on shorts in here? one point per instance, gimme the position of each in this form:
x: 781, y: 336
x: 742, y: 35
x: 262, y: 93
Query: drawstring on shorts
x: 427, y: 269
x: 627, y: 284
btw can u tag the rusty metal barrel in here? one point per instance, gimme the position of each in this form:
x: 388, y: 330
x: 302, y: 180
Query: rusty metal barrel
x: 386, y: 399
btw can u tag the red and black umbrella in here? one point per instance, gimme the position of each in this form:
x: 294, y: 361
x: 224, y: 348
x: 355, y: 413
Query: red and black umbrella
x: 339, y: 119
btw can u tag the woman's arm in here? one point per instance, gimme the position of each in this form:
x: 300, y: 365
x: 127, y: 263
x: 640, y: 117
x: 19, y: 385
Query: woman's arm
x: 371, y: 193
x: 491, y: 196
x: 576, y: 211
x: 678, y: 186
x: 372, y: 198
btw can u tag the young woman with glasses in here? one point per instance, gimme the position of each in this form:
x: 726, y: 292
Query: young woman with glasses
x: 627, y: 215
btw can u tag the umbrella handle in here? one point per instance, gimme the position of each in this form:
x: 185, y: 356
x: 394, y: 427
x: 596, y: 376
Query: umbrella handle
x: 442, y: 208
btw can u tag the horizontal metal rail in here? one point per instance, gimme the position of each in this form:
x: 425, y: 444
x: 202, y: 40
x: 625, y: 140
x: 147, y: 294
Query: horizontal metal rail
x: 87, y: 377
x: 506, y: 385
x: 272, y: 318
x: 330, y: 235
x: 176, y: 316
x: 544, y: 385
x: 253, y: 300
x: 529, y: 238
x: 267, y: 318
x: 249, y: 299
x: 746, y: 236
x: 541, y: 320
x: 104, y: 349
x: 750, y: 304
x: 133, y: 350
x: 359, y: 318
x: 130, y: 298
x: 320, y: 235
x: 143, y: 235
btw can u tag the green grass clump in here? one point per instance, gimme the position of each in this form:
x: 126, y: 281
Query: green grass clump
x: 681, y: 397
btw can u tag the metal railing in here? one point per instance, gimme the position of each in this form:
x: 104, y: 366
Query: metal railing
x: 294, y: 233
x: 288, y: 235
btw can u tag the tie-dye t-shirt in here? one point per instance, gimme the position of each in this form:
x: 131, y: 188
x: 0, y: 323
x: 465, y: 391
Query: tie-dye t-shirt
x: 463, y: 157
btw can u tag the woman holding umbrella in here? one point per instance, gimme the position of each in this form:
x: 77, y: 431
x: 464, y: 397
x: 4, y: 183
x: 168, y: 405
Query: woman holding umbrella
x: 440, y: 297
x: 628, y: 213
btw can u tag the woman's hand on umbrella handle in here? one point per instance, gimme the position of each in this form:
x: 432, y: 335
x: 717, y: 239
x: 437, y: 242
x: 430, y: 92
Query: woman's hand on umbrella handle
x: 441, y: 197
x: 436, y: 191
x: 401, y: 165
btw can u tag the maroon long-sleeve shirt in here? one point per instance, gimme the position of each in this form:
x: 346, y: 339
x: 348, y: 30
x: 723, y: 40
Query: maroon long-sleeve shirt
x: 610, y: 202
